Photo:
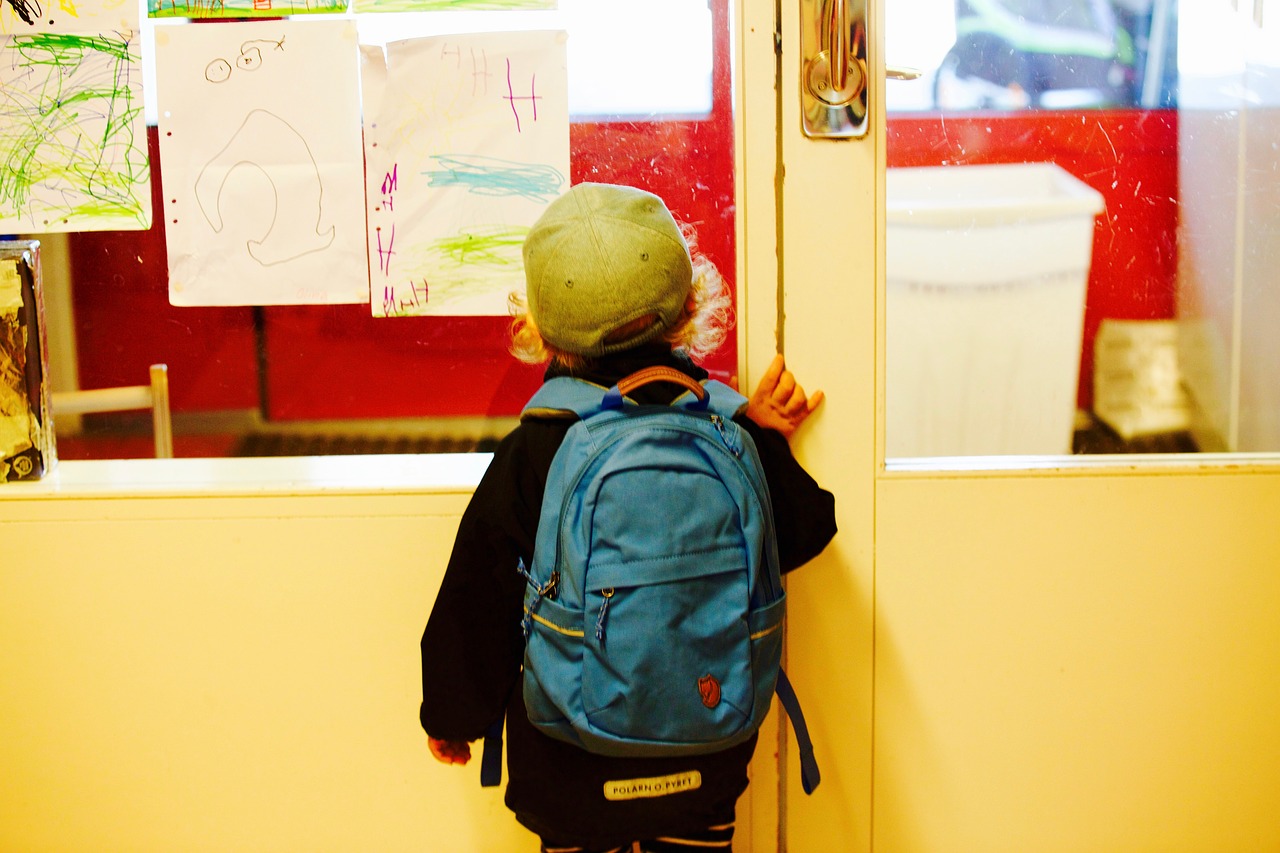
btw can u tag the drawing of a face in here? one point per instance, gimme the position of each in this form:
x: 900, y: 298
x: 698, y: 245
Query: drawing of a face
x: 249, y: 60
x: 217, y: 71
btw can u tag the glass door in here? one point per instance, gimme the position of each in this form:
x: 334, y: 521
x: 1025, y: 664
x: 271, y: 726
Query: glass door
x: 1050, y: 653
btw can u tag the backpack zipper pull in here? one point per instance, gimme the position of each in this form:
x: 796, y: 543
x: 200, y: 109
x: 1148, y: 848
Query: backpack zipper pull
x: 608, y: 594
x: 547, y: 590
x: 730, y: 441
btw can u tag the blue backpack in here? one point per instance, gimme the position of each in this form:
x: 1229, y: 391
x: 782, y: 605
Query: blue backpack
x: 654, y: 606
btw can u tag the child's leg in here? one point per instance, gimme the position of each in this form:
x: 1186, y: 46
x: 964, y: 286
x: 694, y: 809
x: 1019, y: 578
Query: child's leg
x: 711, y: 838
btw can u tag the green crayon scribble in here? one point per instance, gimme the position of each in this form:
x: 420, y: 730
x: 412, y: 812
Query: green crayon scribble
x: 494, y: 246
x: 450, y: 5
x: 67, y: 144
x: 241, y: 8
x: 490, y: 176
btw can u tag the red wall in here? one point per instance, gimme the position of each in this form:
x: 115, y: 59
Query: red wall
x: 1130, y: 156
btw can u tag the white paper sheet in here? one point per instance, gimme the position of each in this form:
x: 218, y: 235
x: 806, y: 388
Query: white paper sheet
x: 260, y: 144
x: 466, y: 145
x: 73, y: 141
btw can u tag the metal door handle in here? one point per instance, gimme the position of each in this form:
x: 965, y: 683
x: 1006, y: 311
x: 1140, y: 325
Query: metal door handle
x: 835, y: 31
x: 833, y: 72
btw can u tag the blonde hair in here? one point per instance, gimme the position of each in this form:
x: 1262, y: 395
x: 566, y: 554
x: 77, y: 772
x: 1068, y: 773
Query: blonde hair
x: 699, y: 332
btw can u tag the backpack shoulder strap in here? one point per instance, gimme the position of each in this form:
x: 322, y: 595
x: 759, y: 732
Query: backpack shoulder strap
x: 724, y: 401
x: 809, y: 775
x: 491, y: 759
x: 564, y: 397
x: 567, y: 396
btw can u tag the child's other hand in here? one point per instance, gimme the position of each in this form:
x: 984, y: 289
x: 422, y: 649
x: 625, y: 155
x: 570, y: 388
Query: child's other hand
x: 779, y: 402
x: 450, y: 751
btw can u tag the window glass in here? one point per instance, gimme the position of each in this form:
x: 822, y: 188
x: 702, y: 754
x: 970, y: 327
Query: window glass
x: 1032, y: 243
x: 1082, y: 210
x: 303, y: 380
x: 1021, y: 54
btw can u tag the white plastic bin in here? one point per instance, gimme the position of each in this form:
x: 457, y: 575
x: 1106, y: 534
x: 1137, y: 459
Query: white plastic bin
x: 986, y: 269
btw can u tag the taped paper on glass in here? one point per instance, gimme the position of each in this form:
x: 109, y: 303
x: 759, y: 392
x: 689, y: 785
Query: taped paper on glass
x: 466, y: 143
x: 71, y: 118
x: 260, y: 145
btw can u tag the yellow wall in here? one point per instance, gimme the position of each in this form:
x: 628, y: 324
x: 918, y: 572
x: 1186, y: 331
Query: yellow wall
x: 1079, y: 662
x: 1066, y: 662
x: 232, y: 673
x: 222, y: 655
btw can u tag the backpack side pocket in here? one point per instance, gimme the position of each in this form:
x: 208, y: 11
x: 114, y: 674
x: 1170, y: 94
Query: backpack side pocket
x: 766, y: 653
x: 553, y: 662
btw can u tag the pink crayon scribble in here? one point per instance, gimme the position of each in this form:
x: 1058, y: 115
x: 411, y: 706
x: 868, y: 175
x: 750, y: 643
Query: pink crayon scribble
x: 533, y: 97
x: 389, y: 182
x: 384, y: 255
x: 479, y: 66
x: 479, y: 73
x: 393, y: 305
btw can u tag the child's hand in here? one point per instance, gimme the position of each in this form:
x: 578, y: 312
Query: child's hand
x: 779, y: 402
x: 450, y: 751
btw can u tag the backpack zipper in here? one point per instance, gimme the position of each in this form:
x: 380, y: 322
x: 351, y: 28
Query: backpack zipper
x: 733, y: 447
x: 608, y: 595
x: 547, y: 590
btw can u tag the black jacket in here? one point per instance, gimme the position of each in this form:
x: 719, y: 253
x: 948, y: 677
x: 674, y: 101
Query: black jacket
x: 472, y: 648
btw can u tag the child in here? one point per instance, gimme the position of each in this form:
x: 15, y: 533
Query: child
x: 612, y: 288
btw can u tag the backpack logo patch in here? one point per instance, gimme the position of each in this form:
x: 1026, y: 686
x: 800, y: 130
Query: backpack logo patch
x: 652, y: 786
x: 709, y: 690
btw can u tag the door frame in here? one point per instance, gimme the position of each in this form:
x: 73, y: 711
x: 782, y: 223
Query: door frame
x: 1093, y: 586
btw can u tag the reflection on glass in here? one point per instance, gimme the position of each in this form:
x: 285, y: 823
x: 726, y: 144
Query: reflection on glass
x: 1167, y: 111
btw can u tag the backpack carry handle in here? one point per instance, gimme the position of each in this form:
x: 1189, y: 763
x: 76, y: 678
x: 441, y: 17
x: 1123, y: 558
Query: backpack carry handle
x: 613, y: 399
x: 661, y: 374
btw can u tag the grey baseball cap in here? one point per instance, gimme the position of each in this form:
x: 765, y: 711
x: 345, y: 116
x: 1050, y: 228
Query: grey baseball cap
x: 602, y: 256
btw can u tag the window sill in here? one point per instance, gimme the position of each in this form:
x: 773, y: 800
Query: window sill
x: 275, y: 476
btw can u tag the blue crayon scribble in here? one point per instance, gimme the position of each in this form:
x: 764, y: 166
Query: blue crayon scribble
x: 493, y: 177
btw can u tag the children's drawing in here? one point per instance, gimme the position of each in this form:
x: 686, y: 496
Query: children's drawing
x: 73, y: 145
x: 68, y: 16
x: 493, y: 177
x: 295, y: 227
x: 241, y: 8
x: 467, y: 141
x: 26, y: 11
x: 450, y: 5
x: 260, y: 141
